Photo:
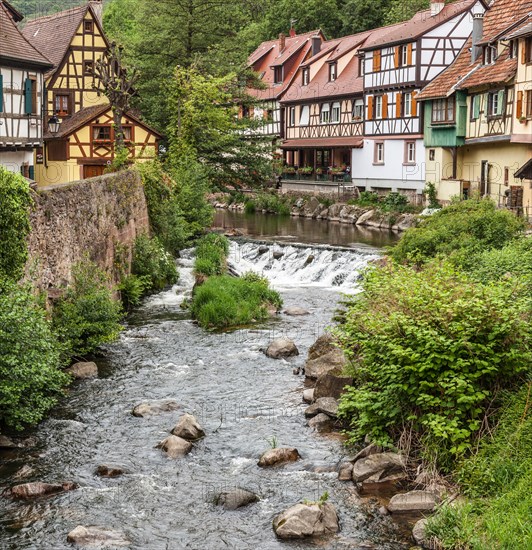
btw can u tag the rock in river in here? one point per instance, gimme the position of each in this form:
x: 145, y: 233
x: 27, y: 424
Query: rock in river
x: 413, y: 501
x: 328, y: 406
x: 278, y: 455
x: 324, y: 344
x: 175, y: 447
x: 231, y: 500
x: 383, y: 464
x: 332, y: 361
x: 282, y: 347
x: 308, y: 395
x: 321, y: 422
x: 188, y: 428
x: 83, y: 370
x: 332, y: 384
x: 155, y: 407
x: 296, y: 311
x: 97, y: 537
x: 107, y: 470
x: 40, y: 489
x: 306, y: 520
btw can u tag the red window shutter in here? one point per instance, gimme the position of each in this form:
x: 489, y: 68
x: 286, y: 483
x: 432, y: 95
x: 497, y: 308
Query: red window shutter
x: 370, y: 108
x: 519, y: 113
x: 376, y: 61
x: 385, y: 106
x: 409, y: 54
x: 398, y: 104
x: 414, y: 104
x: 397, y: 55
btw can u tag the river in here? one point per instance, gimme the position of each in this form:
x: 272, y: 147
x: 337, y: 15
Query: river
x: 243, y: 400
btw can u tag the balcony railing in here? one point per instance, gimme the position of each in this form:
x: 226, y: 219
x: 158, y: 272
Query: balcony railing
x: 324, y: 175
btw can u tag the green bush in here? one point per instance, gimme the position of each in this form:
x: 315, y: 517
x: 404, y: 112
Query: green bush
x: 86, y: 316
x: 30, y: 379
x: 153, y: 264
x: 272, y: 203
x: 15, y: 200
x: 458, y: 232
x: 429, y: 348
x: 395, y: 202
x: 211, y: 254
x: 250, y: 207
x: 132, y: 288
x: 366, y: 198
x: 224, y: 301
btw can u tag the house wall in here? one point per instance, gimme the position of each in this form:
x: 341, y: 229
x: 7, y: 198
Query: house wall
x: 522, y: 131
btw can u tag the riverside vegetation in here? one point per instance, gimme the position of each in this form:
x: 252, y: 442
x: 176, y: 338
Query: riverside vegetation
x: 440, y: 342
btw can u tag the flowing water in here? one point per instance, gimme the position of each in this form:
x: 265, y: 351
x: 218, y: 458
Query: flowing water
x: 245, y: 402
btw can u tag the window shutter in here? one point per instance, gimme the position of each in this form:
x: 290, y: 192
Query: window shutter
x: 376, y: 60
x: 409, y: 54
x: 31, y: 172
x: 1, y: 93
x: 476, y: 106
x: 523, y: 52
x: 414, y: 104
x: 519, y: 112
x: 370, y: 108
x: 397, y: 56
x: 398, y: 102
x: 501, y: 107
x: 385, y: 106
x: 27, y: 97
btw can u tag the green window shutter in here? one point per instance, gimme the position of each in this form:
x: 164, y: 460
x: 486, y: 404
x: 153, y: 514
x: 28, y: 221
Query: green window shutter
x: 31, y: 172
x: 27, y: 96
x: 476, y: 106
x: 500, y: 104
x: 1, y: 93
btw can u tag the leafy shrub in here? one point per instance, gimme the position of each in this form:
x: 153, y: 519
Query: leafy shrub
x: 272, y: 203
x: 30, y: 379
x: 15, y: 200
x: 132, y: 288
x: 153, y: 264
x: 86, y: 316
x: 367, y: 198
x: 394, y: 202
x: 429, y: 349
x: 224, y: 301
x: 250, y: 207
x: 432, y: 196
x: 120, y: 162
x: 458, y: 232
x: 211, y: 254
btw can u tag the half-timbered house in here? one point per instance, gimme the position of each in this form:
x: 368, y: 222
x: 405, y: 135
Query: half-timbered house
x: 277, y: 63
x: 74, y: 40
x: 396, y: 67
x: 478, y: 123
x: 22, y: 70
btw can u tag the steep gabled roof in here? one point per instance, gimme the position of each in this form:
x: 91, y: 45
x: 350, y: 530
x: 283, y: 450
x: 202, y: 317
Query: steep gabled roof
x: 421, y: 23
x: 502, y: 16
x: 13, y: 46
x: 525, y: 29
x: 15, y: 14
x: 52, y: 34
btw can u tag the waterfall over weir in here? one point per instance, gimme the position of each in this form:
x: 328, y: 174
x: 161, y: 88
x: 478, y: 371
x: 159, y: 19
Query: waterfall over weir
x: 300, y: 264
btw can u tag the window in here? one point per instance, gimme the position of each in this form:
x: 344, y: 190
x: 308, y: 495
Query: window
x: 30, y: 96
x: 325, y: 114
x: 323, y: 158
x: 62, y: 104
x: 410, y: 152
x: 475, y: 107
x: 407, y: 104
x: 101, y: 133
x: 432, y: 154
x: 335, y: 112
x: 278, y: 75
x: 506, y: 176
x: 88, y: 67
x: 490, y: 54
x: 1, y: 93
x: 361, y: 66
x: 378, y: 106
x: 306, y: 77
x: 88, y: 26
x: 379, y: 153
x: 291, y: 116
x: 514, y: 47
x: 332, y: 72
x: 128, y: 133
x: 404, y: 56
x: 528, y: 109
x: 358, y: 109
x: 528, y: 50
x: 495, y: 103
x: 443, y: 110
x: 304, y: 116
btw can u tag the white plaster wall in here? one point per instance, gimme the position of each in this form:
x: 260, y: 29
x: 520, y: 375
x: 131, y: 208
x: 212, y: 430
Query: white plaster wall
x: 13, y: 161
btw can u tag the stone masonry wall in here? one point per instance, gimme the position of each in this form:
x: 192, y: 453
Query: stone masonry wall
x: 97, y: 219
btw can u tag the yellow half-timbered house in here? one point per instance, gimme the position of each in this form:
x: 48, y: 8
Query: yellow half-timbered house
x: 74, y: 40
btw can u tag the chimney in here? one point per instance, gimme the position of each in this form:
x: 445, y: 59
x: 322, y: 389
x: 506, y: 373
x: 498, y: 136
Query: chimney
x: 282, y: 41
x: 97, y: 8
x: 435, y: 7
x: 316, y: 45
x: 478, y: 30
x: 292, y: 32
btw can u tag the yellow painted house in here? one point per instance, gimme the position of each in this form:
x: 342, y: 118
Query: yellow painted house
x: 73, y: 40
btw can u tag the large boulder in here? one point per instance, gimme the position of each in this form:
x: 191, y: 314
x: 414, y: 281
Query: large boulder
x: 421, y: 538
x: 369, y: 450
x: 97, y: 537
x: 296, y: 311
x: 345, y: 472
x: 321, y: 423
x: 365, y: 218
x: 232, y: 500
x: 324, y: 344
x: 188, y: 428
x: 308, y: 395
x: 332, y: 361
x: 175, y: 447
x: 279, y: 455
x: 40, y: 489
x: 328, y: 406
x: 381, y: 464
x: 83, y: 370
x: 413, y: 501
x: 306, y: 520
x: 331, y: 384
x: 282, y: 347
x: 155, y: 407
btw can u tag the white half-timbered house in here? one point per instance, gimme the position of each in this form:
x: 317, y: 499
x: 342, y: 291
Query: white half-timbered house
x: 397, y: 65
x: 22, y: 70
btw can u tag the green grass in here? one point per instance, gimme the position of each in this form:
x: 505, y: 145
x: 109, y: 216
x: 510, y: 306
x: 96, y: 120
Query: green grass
x: 211, y: 254
x: 224, y: 301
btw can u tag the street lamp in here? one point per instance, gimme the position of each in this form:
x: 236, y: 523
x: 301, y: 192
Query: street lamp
x: 54, y: 125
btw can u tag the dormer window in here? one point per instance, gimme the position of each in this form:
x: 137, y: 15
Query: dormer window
x: 306, y: 77
x: 514, y: 46
x: 490, y: 54
x: 278, y: 75
x: 361, y: 66
x: 88, y: 26
x: 332, y: 71
x: 528, y: 50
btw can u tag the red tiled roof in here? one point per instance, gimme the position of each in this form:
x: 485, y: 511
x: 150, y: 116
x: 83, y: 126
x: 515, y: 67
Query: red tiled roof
x: 418, y: 25
x: 321, y: 143
x: 500, y: 72
x: 13, y: 45
x: 502, y: 16
x: 524, y: 30
x: 52, y: 34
